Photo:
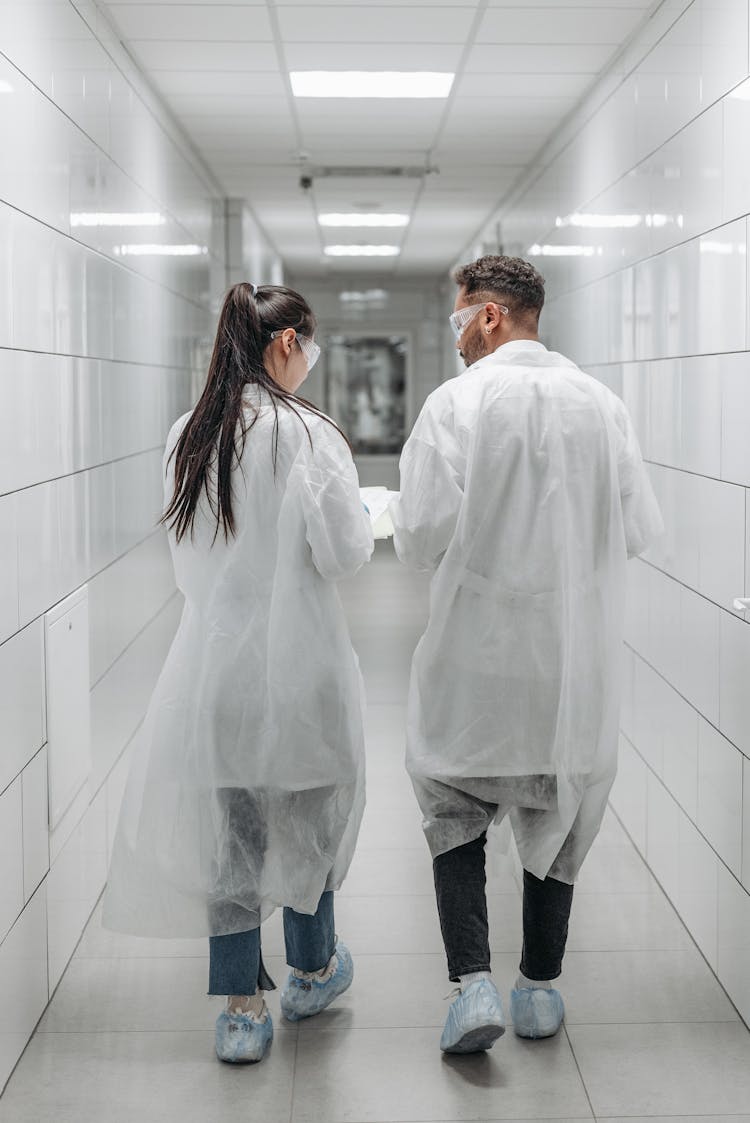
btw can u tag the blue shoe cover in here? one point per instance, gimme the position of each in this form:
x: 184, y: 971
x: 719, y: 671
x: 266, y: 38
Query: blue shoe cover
x: 475, y: 1020
x: 240, y: 1039
x: 536, y: 1011
x: 303, y: 998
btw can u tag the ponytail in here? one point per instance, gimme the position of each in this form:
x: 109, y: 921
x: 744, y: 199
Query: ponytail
x: 213, y: 439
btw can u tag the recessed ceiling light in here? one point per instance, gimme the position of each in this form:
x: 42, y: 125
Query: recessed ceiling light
x: 371, y: 83
x: 107, y: 218
x: 146, y: 250
x: 359, y: 219
x: 741, y: 92
x: 601, y: 221
x: 561, y: 251
x: 362, y: 251
x: 369, y: 296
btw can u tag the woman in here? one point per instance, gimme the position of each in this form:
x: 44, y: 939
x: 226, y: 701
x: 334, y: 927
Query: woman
x: 247, y: 787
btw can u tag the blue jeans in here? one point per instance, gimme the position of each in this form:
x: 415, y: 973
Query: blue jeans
x: 236, y: 963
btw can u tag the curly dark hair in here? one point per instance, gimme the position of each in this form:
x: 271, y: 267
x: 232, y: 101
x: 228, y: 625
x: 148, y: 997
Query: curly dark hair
x: 510, y: 279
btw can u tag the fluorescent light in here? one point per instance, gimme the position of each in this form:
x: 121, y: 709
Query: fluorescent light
x: 600, y: 221
x: 561, y: 251
x: 373, y: 219
x: 125, y: 218
x: 369, y: 296
x: 616, y: 221
x: 5, y: 87
x: 362, y: 251
x: 371, y: 83
x: 742, y: 92
x: 146, y: 250
x: 724, y: 248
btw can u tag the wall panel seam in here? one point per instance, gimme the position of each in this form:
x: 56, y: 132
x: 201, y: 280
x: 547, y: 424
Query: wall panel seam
x: 96, y: 144
x: 532, y: 174
x: 89, y: 468
x: 634, y: 264
x: 136, y: 637
x: 677, y: 803
x: 686, y: 700
x: 41, y: 615
x: 690, y: 589
x: 110, y: 260
x: 175, y: 367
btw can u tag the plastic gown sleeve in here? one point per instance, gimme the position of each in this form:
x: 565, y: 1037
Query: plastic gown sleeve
x: 432, y: 489
x: 640, y: 511
x: 339, y: 532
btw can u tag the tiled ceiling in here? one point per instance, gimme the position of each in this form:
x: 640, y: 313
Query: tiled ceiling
x: 223, y: 68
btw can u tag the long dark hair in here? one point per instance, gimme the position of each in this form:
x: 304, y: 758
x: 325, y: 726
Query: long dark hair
x: 213, y: 439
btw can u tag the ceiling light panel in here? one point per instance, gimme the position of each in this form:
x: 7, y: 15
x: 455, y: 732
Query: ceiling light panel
x: 358, y: 220
x: 558, y: 25
x: 362, y: 249
x: 200, y: 22
x: 384, y: 84
x: 358, y: 23
x: 335, y: 4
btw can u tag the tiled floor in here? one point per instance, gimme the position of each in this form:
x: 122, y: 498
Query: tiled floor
x: 649, y: 1032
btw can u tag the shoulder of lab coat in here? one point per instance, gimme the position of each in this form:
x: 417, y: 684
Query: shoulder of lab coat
x: 432, y: 468
x: 642, y: 521
x: 338, y: 528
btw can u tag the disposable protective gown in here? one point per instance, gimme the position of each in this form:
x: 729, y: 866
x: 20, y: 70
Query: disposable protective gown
x: 523, y: 488
x: 246, y: 789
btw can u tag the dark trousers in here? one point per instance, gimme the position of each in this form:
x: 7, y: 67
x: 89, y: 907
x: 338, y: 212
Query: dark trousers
x: 236, y: 962
x: 462, y: 906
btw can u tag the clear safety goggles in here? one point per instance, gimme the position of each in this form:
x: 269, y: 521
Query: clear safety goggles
x: 309, y: 347
x: 460, y: 320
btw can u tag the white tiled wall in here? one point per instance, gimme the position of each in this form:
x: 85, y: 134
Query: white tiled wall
x: 648, y: 290
x: 100, y: 351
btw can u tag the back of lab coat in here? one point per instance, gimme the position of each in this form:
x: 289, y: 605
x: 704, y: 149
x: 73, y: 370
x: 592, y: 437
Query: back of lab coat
x: 522, y: 486
x: 247, y: 783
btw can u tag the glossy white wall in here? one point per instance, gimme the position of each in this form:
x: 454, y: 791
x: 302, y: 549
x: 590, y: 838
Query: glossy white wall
x: 637, y: 214
x: 100, y: 351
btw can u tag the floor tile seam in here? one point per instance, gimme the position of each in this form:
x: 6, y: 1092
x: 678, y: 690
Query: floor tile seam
x: 616, y: 893
x: 83, y: 958
x: 606, y: 950
x: 696, y: 1021
x: 98, y: 1032
x: 293, y: 1082
x: 386, y: 1028
x: 578, y: 1070
x: 708, y: 1022
x: 428, y: 896
x: 438, y: 1025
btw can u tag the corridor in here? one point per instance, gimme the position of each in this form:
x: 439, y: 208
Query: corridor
x: 648, y: 1032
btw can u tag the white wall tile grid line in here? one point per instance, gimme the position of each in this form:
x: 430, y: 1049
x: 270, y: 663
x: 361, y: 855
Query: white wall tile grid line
x: 94, y: 83
x: 639, y: 211
x: 98, y: 355
x: 701, y: 650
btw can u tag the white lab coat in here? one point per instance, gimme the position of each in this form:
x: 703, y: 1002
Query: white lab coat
x: 247, y: 785
x: 523, y: 488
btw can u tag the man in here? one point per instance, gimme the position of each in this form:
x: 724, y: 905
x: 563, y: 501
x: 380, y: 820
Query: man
x: 523, y: 488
